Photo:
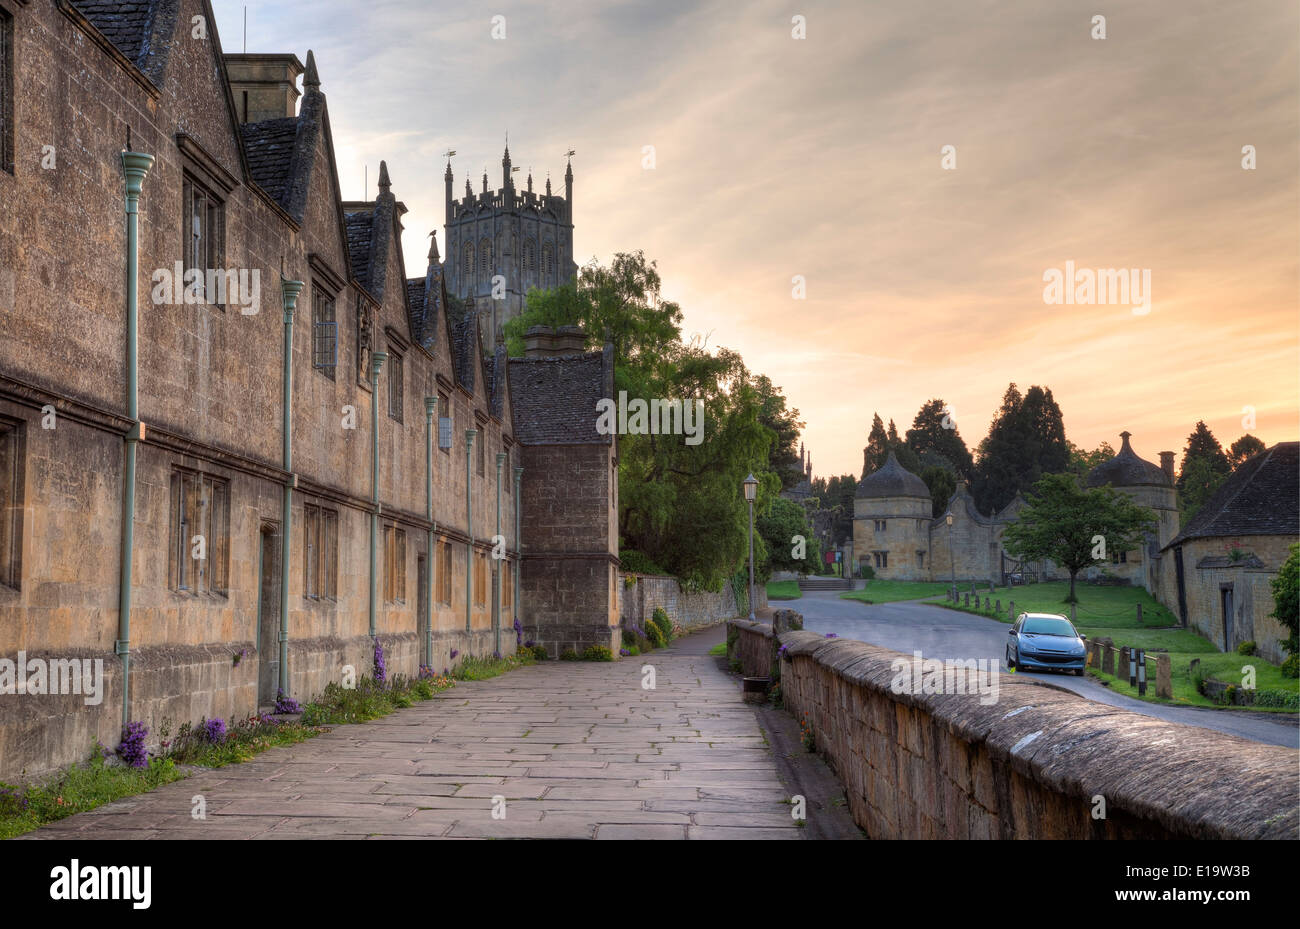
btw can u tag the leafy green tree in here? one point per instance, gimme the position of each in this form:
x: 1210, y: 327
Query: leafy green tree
x: 1286, y: 599
x: 1082, y: 461
x: 1244, y: 449
x: 785, y: 425
x: 1063, y: 521
x: 937, y: 445
x: 779, y: 527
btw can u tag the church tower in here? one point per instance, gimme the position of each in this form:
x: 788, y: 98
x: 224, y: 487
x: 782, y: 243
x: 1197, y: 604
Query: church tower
x: 500, y: 244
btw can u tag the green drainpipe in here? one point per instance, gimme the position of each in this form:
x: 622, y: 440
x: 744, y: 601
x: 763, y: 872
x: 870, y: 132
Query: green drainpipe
x: 289, y: 291
x: 135, y: 165
x: 377, y: 360
x: 469, y: 527
x: 430, y: 408
x: 519, y: 545
x: 496, y: 562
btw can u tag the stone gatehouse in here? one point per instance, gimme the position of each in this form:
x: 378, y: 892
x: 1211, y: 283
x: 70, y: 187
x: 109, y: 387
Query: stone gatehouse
x: 279, y: 470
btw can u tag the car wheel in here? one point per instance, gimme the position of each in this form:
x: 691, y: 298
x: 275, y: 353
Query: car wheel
x: 1011, y: 665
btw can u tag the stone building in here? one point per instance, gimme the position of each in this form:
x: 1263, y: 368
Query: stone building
x: 282, y: 472
x: 507, y: 241
x: 1147, y: 485
x: 893, y: 533
x: 1216, y: 573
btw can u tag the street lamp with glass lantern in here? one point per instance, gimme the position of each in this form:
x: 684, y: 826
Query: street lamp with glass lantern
x: 751, y: 492
x: 952, y: 565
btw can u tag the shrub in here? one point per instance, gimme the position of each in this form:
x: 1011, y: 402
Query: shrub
x: 597, y: 653
x: 1291, y: 667
x: 381, y: 669
x: 632, y: 650
x: 867, y: 572
x: 1286, y: 597
x: 639, y: 563
x: 1246, y: 648
x: 1277, y: 698
x: 570, y: 654
x: 655, y: 635
x: 660, y: 620
x: 540, y: 653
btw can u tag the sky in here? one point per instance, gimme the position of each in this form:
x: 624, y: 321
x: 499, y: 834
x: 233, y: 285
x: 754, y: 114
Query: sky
x: 798, y: 204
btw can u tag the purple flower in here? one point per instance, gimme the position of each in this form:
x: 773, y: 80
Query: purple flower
x: 132, y: 750
x: 454, y: 653
x: 519, y: 632
x: 214, y: 730
x: 381, y: 669
x: 624, y: 652
x: 285, y: 704
x: 831, y: 635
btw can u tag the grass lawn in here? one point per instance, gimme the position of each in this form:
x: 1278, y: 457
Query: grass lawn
x: 1098, y: 607
x: 719, y: 650
x: 783, y: 590
x: 1111, y: 612
x: 883, y: 591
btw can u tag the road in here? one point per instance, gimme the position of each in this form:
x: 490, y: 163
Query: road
x: 942, y: 633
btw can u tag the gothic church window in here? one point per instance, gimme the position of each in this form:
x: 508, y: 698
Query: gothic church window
x: 530, y: 257
x: 11, y: 504
x: 200, y: 533
x: 548, y: 272
x: 6, y: 92
x: 485, y: 258
x: 467, y: 254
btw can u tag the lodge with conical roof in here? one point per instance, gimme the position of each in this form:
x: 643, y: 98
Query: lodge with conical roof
x: 1148, y: 485
x: 891, y: 522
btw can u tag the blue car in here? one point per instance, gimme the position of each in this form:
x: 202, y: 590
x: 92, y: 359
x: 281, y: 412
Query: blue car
x: 1045, y: 642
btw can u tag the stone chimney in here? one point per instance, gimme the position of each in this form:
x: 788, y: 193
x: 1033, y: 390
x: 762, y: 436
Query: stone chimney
x: 264, y: 86
x: 1167, y: 465
x: 545, y: 342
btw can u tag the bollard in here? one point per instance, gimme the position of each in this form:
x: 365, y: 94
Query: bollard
x: 1132, y: 667
x: 1139, y: 606
x: 1164, y: 677
x: 997, y: 608
x: 1142, y: 668
x: 1011, y: 611
x: 965, y: 600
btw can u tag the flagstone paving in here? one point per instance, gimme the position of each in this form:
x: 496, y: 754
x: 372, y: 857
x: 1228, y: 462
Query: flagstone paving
x: 576, y: 749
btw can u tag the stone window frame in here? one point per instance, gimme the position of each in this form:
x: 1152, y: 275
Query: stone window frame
x: 213, y: 230
x: 396, y: 384
x: 7, y: 44
x: 880, y: 525
x: 320, y: 552
x: 12, y: 472
x: 212, y: 509
x: 1118, y: 558
x: 394, y: 563
x: 324, y: 325
x: 480, y: 579
x: 443, y: 575
x: 881, y: 559
x: 445, y: 411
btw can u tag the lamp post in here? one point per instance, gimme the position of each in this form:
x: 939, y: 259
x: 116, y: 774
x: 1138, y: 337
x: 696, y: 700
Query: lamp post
x: 952, y: 565
x: 751, y: 491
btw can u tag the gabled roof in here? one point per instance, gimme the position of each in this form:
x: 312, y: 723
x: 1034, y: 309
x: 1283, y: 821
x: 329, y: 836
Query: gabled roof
x: 1261, y: 497
x: 892, y: 480
x: 498, y: 373
x: 962, y: 502
x: 555, y: 399
x: 359, y: 227
x: 464, y: 349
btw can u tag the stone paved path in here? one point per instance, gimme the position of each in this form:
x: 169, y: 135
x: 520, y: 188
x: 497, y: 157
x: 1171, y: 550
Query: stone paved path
x: 577, y: 749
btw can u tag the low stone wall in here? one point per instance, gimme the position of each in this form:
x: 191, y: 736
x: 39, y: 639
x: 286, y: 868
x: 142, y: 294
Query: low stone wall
x: 1038, y: 762
x: 636, y: 603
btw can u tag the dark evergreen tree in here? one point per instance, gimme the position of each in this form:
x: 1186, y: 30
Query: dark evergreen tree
x: 1244, y: 449
x: 937, y: 444
x: 1026, y: 440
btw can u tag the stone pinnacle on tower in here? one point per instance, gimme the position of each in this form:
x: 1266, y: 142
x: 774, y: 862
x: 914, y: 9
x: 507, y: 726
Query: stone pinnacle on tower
x: 434, y: 257
x: 310, y: 77
x: 384, y: 183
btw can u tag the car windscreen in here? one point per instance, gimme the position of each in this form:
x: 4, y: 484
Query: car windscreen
x: 1041, y: 625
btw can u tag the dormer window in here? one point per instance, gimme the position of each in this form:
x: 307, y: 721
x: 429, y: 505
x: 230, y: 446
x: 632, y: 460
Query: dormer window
x: 204, y: 230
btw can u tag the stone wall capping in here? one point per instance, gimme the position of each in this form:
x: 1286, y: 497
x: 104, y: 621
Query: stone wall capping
x: 1027, y: 765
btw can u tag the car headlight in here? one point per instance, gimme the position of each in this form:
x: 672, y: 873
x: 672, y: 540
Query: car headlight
x: 1025, y: 648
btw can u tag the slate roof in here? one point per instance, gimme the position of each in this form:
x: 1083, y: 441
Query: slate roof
x: 498, y: 371
x: 1126, y: 469
x: 1262, y: 497
x: 554, y: 399
x: 122, y: 23
x: 360, y: 227
x: 268, y: 146
x: 464, y: 349
x: 892, y: 480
